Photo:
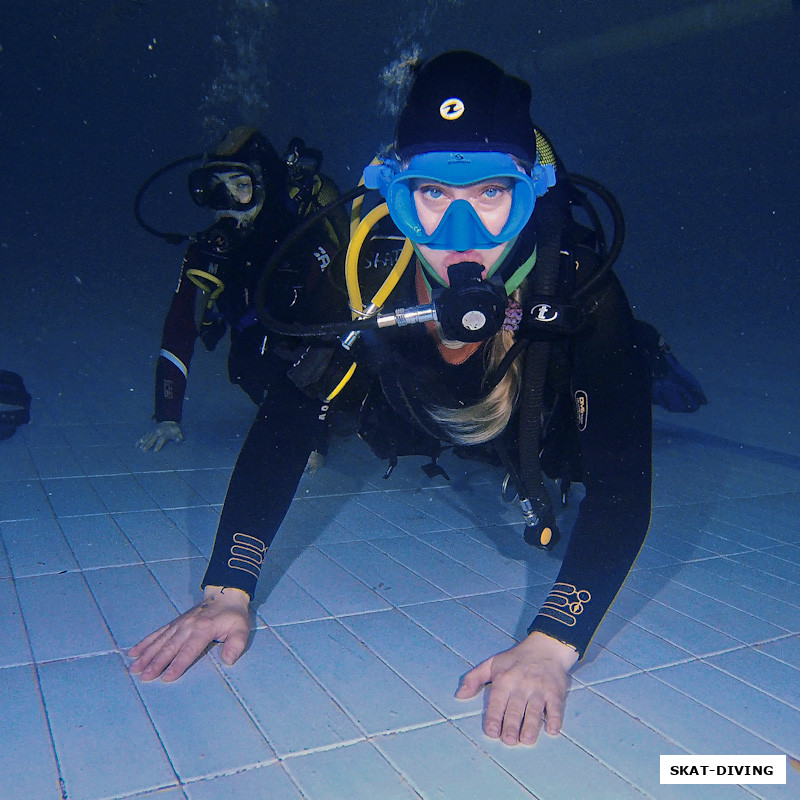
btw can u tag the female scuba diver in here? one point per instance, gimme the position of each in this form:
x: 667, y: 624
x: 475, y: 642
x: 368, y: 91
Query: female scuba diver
x: 528, y: 349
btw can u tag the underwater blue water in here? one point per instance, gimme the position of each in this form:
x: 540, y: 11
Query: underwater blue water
x: 688, y: 111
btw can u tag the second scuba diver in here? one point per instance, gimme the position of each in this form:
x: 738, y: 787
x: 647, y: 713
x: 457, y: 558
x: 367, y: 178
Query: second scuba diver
x: 528, y: 349
x: 258, y: 199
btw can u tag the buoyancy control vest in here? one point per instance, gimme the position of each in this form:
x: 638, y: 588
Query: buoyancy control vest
x: 572, y: 263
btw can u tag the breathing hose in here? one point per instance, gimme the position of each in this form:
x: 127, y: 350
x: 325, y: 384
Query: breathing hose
x: 619, y: 230
x: 167, y: 236
x: 540, y: 529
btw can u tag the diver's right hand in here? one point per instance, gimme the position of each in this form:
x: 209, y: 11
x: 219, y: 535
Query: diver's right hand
x: 223, y: 616
x: 164, y: 432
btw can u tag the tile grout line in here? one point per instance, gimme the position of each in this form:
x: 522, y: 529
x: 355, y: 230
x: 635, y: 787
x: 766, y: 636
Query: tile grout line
x: 719, y: 712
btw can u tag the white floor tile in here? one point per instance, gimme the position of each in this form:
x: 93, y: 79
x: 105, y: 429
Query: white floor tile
x: 357, y: 629
x: 163, y: 794
x: 385, y: 576
x: 347, y: 512
x: 680, y: 719
x: 210, y: 484
x: 786, y: 650
x: 62, y: 617
x: 198, y: 524
x: 679, y: 629
x: 767, y: 674
x: 36, y: 547
x: 613, y: 737
x: 482, y: 558
x: 129, y: 622
x: 122, y: 493
x: 355, y: 772
x: 105, y: 742
x: 97, y: 541
x: 181, y: 578
x: 169, y: 489
x: 554, y: 768
x: 741, y: 572
x: 330, y: 585
x: 462, y: 630
x: 737, y: 624
x: 155, y: 536
x: 56, y: 462
x: 72, y: 497
x: 771, y: 564
x: 280, y: 599
x: 600, y: 664
x: 435, y: 567
x: 444, y: 504
x: 770, y: 719
x: 371, y: 693
x: 391, y: 507
x: 212, y: 737
x: 267, y: 782
x: 505, y: 610
x: 16, y: 647
x: 433, y: 669
x: 100, y: 460
x: 27, y: 762
x: 509, y: 542
x: 637, y: 645
x: 293, y: 711
x: 24, y: 499
x: 17, y: 463
x: 736, y: 595
x: 440, y: 761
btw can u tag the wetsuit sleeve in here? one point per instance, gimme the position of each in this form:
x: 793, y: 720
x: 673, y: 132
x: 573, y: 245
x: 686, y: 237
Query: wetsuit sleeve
x: 177, y: 347
x: 611, y: 390
x: 262, y: 486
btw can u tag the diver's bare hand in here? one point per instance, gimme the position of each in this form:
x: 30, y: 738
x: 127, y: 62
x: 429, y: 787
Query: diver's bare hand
x: 223, y: 616
x: 528, y: 682
x: 315, y: 462
x: 166, y: 431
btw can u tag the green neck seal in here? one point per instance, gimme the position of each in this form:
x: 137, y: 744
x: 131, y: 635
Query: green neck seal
x: 510, y: 285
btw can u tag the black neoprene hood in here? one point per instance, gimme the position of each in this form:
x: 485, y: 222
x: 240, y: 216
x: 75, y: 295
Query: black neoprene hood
x: 463, y: 101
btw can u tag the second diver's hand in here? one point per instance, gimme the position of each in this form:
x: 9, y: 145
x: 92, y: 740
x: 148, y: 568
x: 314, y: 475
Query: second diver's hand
x: 166, y: 431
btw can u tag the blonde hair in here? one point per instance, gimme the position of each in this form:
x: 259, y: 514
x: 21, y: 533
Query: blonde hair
x: 487, y: 418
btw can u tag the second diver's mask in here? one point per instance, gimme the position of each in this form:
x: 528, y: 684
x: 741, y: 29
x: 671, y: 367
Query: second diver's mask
x: 460, y: 228
x: 230, y: 188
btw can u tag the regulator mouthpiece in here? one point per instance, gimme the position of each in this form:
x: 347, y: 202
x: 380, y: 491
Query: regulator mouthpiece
x: 470, y: 309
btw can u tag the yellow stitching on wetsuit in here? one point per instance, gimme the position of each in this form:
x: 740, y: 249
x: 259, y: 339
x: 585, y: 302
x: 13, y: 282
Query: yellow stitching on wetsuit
x: 565, y: 604
x: 247, y: 553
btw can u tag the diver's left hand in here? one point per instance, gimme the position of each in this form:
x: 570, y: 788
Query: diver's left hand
x: 315, y: 462
x: 166, y: 431
x: 528, y: 682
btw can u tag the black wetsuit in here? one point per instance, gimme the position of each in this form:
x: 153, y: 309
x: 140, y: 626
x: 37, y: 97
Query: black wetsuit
x: 254, y: 360
x: 603, y: 373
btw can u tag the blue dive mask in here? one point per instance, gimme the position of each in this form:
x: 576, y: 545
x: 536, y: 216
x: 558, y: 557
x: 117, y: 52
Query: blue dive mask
x: 460, y: 228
